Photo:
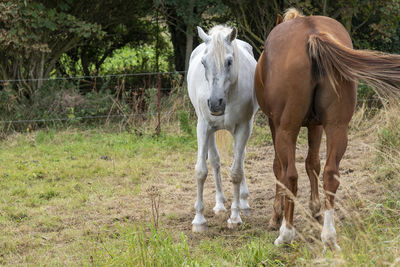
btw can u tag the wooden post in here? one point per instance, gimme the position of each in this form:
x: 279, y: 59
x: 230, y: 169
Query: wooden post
x: 158, y: 128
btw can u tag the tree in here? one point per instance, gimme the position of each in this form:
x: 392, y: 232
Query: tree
x: 182, y: 16
x: 123, y: 23
x: 33, y: 37
x: 255, y: 19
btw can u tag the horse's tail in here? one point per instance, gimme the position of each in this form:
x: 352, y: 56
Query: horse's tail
x: 291, y: 13
x: 335, y: 62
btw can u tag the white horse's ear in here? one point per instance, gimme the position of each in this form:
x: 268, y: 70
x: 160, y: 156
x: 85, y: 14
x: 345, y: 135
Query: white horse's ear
x: 231, y: 36
x: 203, y: 36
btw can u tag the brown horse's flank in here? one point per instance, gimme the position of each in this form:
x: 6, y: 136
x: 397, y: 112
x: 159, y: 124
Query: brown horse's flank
x: 307, y: 76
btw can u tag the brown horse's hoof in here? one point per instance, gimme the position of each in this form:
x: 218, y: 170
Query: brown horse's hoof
x: 319, y: 219
x: 274, y: 224
x: 199, y: 228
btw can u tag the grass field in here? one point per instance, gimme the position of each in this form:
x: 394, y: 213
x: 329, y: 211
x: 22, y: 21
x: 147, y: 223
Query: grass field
x: 84, y: 197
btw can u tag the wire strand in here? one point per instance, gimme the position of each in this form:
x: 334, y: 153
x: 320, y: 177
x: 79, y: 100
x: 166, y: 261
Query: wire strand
x: 92, y: 76
x: 82, y: 117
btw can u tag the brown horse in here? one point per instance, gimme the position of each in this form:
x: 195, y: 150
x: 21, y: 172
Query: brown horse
x: 307, y: 76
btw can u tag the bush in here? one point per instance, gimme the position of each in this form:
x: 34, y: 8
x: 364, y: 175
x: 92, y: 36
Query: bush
x: 56, y: 102
x: 184, y: 123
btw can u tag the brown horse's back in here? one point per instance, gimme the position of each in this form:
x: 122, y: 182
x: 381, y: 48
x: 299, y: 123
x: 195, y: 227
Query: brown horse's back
x: 292, y: 79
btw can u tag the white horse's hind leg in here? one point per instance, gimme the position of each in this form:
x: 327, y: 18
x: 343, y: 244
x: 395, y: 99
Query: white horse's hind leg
x: 241, y: 135
x: 213, y: 157
x: 199, y: 222
x: 244, y: 191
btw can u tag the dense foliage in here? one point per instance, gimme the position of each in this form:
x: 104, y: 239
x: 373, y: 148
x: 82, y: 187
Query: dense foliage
x: 37, y: 34
x: 40, y: 39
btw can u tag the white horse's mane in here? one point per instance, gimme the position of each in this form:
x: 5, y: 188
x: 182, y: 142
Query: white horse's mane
x: 218, y: 34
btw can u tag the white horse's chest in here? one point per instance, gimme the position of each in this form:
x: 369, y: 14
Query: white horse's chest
x: 222, y: 122
x: 227, y: 121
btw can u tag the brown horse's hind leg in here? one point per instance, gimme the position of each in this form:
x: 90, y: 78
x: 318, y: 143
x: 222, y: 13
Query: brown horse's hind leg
x: 313, y: 168
x: 336, y: 137
x: 276, y: 218
x: 336, y: 146
x: 285, y: 147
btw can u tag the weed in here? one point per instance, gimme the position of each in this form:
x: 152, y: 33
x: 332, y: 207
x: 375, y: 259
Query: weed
x: 184, y: 123
x: 154, y: 194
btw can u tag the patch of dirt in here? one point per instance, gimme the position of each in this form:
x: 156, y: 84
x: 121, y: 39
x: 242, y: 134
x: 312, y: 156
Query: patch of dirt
x: 178, y: 191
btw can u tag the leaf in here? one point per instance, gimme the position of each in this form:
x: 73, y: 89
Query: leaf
x: 50, y: 25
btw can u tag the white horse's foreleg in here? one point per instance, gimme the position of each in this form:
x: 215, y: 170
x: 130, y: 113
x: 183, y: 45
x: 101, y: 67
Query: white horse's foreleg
x: 244, y: 194
x: 241, y: 135
x: 199, y: 222
x: 213, y: 157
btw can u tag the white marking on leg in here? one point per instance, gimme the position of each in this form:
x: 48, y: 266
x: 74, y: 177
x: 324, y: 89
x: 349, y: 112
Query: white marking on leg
x: 286, y: 235
x: 328, y: 235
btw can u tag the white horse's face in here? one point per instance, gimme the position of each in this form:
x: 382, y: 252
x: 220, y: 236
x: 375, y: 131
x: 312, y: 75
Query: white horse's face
x: 219, y: 64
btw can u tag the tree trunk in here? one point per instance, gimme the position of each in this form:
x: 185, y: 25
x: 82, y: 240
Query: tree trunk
x: 41, y: 72
x: 347, y: 18
x: 177, y: 29
x: 324, y: 7
x: 189, y: 38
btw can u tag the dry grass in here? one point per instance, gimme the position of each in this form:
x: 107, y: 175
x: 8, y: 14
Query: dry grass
x: 78, y: 197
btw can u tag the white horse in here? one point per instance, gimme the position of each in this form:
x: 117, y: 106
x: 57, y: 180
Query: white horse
x: 221, y: 88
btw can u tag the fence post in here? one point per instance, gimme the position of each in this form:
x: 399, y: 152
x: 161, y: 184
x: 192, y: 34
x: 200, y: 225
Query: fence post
x: 158, y: 128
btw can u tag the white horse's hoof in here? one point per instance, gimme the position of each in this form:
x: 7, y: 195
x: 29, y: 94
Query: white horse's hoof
x: 234, y: 223
x: 234, y: 226
x: 199, y: 228
x: 244, y: 207
x: 219, y: 209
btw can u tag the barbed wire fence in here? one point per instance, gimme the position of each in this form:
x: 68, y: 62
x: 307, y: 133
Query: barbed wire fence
x: 141, y: 92
x: 129, y: 95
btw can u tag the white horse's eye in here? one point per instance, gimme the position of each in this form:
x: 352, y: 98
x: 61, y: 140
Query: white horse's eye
x: 203, y: 62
